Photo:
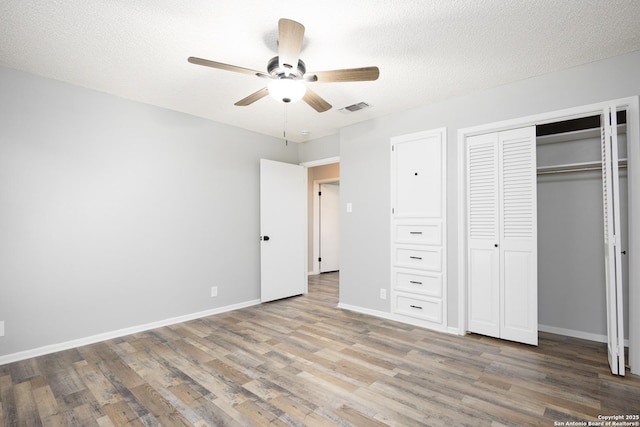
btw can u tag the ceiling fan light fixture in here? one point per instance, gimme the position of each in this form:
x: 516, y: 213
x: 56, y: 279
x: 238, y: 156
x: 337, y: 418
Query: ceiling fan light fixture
x: 286, y: 90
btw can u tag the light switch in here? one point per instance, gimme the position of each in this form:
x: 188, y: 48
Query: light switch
x: 349, y: 207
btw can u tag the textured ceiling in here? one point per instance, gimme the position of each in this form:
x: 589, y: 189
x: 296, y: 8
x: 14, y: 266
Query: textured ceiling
x: 426, y: 50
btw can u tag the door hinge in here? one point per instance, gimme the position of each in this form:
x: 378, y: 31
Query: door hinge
x: 319, y: 193
x: 393, y: 210
x: 319, y: 259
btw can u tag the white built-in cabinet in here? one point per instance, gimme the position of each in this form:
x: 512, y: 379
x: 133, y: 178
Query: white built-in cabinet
x: 418, y: 228
x: 502, y: 235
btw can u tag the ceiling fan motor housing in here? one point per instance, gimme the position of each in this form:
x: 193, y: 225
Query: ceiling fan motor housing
x: 275, y: 71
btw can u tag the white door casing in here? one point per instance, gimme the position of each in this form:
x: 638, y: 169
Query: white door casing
x: 283, y: 222
x: 613, y: 268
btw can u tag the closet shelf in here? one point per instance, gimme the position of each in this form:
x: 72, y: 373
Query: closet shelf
x: 575, y: 167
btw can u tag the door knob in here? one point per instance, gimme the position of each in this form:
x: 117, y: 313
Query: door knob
x: 496, y: 245
x: 265, y: 238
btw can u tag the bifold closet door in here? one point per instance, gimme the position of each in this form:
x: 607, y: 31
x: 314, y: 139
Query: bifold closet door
x: 518, y: 236
x: 483, y: 234
x: 612, y: 250
x: 502, y: 235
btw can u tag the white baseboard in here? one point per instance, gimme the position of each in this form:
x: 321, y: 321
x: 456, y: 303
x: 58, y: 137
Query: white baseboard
x: 455, y: 331
x: 362, y: 310
x: 401, y: 319
x: 53, y: 348
x: 576, y: 334
x: 572, y: 333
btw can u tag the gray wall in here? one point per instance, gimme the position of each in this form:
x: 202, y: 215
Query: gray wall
x: 364, y: 164
x: 115, y: 214
x: 319, y: 149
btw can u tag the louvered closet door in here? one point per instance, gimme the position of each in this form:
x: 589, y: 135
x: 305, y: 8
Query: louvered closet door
x: 518, y: 236
x: 483, y: 234
x: 613, y: 268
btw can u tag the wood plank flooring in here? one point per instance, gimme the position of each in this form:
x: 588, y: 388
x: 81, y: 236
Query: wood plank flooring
x: 302, y: 362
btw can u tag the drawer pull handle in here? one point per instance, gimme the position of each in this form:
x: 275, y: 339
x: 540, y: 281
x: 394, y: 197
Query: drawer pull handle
x: 415, y: 232
x: 415, y: 257
x: 415, y: 282
x: 416, y: 306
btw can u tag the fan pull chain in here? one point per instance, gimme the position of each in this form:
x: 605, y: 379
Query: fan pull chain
x: 284, y: 125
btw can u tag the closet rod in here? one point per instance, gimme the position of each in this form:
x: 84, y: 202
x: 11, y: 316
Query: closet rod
x: 576, y: 167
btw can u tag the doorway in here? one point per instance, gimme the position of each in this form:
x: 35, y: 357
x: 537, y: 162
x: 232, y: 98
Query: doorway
x: 320, y: 173
x: 329, y: 226
x: 324, y: 187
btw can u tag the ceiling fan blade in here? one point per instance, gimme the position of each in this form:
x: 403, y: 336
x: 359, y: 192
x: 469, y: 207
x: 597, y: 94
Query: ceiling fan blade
x: 226, y: 67
x: 290, y: 36
x: 253, y: 97
x: 315, y: 101
x: 346, y: 75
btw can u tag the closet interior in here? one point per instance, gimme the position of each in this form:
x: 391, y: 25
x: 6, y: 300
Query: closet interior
x: 571, y: 269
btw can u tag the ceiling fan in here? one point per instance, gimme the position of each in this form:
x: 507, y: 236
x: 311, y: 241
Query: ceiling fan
x: 288, y: 74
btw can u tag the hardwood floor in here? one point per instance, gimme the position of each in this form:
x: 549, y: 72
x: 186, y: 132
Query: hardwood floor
x: 300, y: 361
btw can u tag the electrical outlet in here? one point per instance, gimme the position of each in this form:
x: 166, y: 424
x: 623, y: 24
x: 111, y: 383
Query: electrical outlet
x: 2, y: 328
x: 383, y: 293
x: 214, y: 291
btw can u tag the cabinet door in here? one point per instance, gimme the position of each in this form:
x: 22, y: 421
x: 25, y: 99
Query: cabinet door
x: 518, y: 236
x: 483, y: 234
x: 417, y: 175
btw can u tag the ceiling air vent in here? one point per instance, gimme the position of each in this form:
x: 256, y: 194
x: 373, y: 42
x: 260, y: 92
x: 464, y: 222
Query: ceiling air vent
x: 355, y: 107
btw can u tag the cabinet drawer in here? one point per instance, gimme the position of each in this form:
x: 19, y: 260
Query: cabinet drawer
x: 421, y: 234
x: 421, y: 283
x: 424, y: 258
x: 419, y: 308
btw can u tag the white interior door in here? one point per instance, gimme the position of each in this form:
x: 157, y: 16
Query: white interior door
x: 329, y: 227
x: 518, y: 236
x: 483, y: 234
x: 612, y: 248
x: 283, y: 222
